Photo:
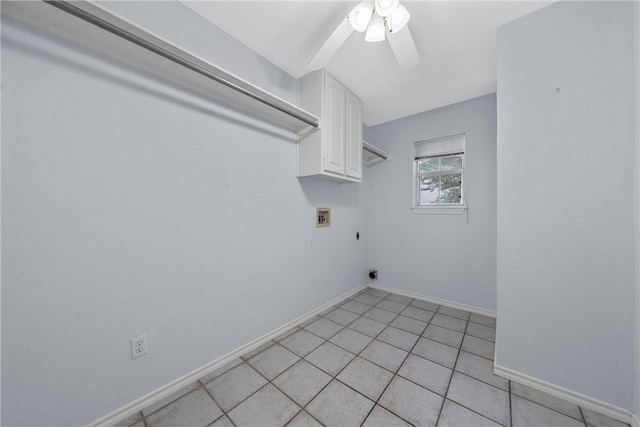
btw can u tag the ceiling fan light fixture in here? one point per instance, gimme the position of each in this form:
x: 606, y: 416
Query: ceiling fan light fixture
x: 385, y: 8
x: 360, y: 16
x: 376, y: 30
x: 399, y: 19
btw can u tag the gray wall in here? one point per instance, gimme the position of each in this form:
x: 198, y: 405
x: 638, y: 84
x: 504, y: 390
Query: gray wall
x: 566, y: 259
x: 436, y: 255
x: 131, y: 206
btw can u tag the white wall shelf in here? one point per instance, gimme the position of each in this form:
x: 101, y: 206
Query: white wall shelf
x: 372, y: 154
x: 335, y: 151
x: 98, y: 29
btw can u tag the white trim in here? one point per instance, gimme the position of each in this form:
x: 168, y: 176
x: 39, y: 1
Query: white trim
x: 634, y: 420
x: 167, y: 389
x: 440, y: 209
x: 579, y: 399
x: 447, y: 303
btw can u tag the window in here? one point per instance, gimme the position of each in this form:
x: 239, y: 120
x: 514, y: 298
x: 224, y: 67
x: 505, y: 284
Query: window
x: 439, y: 172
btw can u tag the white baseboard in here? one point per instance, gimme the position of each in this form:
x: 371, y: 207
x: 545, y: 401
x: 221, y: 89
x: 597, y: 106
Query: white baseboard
x: 439, y: 301
x: 167, y: 389
x: 579, y: 399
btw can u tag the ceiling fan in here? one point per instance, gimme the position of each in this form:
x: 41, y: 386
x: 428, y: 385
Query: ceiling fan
x: 377, y: 18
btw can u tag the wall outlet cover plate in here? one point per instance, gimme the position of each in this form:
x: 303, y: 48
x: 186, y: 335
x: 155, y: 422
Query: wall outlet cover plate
x: 139, y: 346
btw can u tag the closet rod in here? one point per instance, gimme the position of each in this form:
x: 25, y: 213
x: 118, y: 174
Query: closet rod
x: 367, y: 147
x: 216, y: 75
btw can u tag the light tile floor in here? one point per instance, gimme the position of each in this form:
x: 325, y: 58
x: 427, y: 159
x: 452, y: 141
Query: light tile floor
x: 377, y: 359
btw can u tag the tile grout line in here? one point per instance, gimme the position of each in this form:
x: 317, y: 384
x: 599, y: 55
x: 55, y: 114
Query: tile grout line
x: 301, y: 358
x: 584, y: 419
x: 427, y: 324
x: 313, y: 349
x: 335, y: 377
x: 388, y: 324
x: 394, y: 373
x: 392, y: 345
x: 398, y: 368
x: 509, y: 391
x: 278, y: 388
x: 474, y: 411
x: 219, y: 418
x: 484, y: 382
x: 432, y: 361
x: 224, y: 413
x: 300, y: 412
x: 510, y: 406
x: 325, y: 340
x: 302, y: 407
x: 474, y: 378
x: 294, y: 417
x: 468, y: 321
x: 200, y: 384
x: 453, y: 370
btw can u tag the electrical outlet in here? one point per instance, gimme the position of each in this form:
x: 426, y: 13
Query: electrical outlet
x: 139, y: 346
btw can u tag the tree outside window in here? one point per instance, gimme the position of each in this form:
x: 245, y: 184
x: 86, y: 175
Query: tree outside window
x: 440, y: 179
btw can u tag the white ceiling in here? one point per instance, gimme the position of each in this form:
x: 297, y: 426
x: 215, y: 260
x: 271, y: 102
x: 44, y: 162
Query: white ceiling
x: 456, y: 41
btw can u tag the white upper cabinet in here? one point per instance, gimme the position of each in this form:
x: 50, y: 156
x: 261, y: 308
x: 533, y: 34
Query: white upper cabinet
x: 353, y: 136
x: 333, y: 125
x: 335, y: 151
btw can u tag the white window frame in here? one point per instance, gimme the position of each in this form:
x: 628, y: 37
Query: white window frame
x: 439, y: 208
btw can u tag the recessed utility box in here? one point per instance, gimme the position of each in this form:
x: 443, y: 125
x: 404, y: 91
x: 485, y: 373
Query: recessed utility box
x: 323, y: 217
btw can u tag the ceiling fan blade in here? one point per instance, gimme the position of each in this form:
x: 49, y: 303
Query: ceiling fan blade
x: 331, y: 46
x: 404, y: 49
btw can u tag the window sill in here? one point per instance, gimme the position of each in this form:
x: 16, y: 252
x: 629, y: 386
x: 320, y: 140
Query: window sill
x: 440, y: 209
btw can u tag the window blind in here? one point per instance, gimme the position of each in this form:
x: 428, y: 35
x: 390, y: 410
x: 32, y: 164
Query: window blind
x: 440, y: 146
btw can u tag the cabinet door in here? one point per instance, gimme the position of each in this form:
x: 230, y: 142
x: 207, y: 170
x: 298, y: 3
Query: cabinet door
x: 353, y: 136
x: 333, y: 132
